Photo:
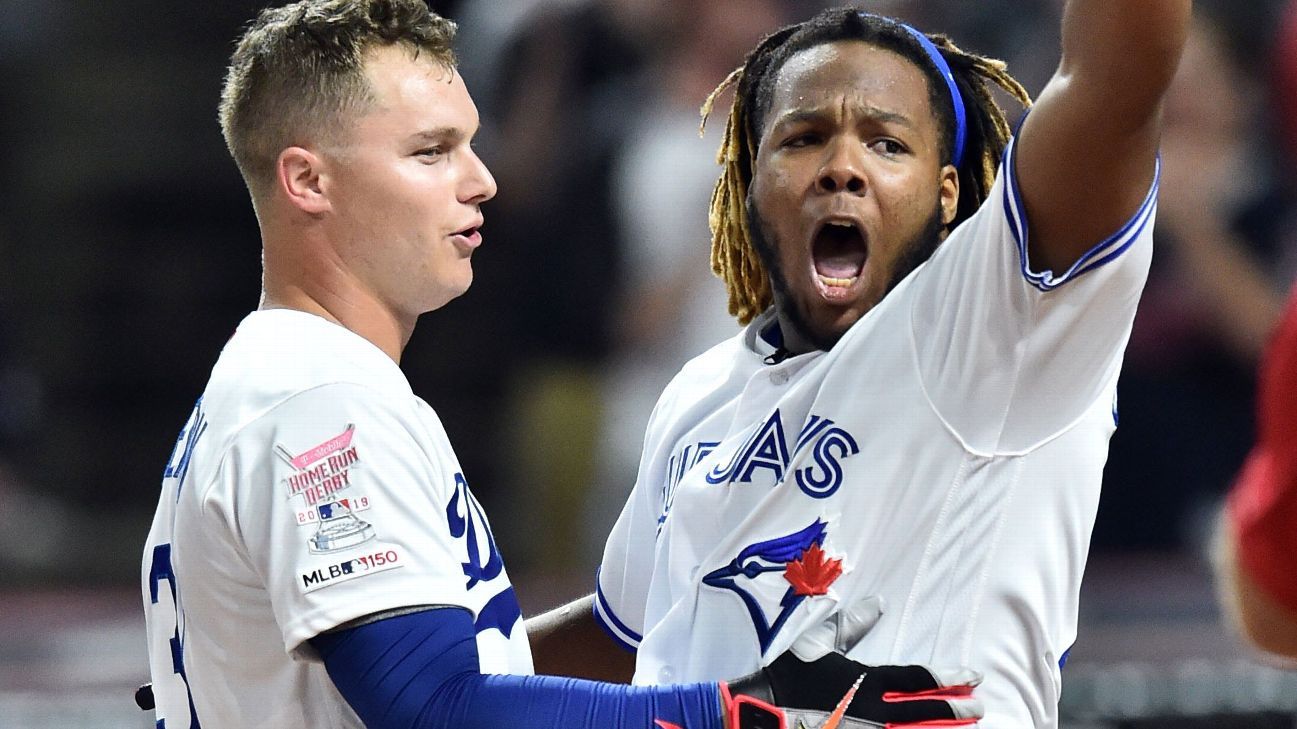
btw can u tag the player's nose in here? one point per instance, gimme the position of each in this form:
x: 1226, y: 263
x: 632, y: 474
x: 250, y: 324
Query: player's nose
x: 479, y: 184
x: 841, y: 170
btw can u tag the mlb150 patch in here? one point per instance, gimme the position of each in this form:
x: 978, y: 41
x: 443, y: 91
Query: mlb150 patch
x: 380, y: 559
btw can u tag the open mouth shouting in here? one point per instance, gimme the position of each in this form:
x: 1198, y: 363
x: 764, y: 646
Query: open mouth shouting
x: 838, y: 255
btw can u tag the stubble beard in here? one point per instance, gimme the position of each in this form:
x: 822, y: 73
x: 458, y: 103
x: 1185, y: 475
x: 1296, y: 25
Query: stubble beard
x: 915, y: 252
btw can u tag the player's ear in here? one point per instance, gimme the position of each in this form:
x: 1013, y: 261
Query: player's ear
x: 300, y: 175
x: 949, y: 194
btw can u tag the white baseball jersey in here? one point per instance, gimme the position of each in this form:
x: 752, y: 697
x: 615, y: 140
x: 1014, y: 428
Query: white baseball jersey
x: 945, y: 456
x: 310, y: 487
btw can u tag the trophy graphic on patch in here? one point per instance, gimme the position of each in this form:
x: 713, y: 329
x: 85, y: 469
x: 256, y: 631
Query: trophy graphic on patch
x: 319, y: 474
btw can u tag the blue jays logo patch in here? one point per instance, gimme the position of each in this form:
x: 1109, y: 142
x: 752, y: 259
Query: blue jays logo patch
x: 802, y: 563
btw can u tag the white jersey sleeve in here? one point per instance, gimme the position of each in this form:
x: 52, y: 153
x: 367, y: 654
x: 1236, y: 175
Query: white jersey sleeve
x: 1010, y: 356
x: 337, y: 503
x: 626, y: 594
x: 622, y: 584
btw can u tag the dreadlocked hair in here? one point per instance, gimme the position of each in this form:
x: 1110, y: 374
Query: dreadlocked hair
x: 734, y: 258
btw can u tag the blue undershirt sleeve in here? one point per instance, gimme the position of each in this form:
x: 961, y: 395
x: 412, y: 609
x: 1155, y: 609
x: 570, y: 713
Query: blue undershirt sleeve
x: 420, y: 671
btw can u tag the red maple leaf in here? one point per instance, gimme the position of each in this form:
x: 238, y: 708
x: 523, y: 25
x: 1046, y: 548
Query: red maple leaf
x: 813, y: 573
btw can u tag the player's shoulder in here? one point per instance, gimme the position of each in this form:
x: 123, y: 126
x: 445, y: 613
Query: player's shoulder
x: 292, y: 350
x: 703, y: 383
x: 719, y: 359
x: 293, y: 396
x: 277, y: 357
x: 712, y: 368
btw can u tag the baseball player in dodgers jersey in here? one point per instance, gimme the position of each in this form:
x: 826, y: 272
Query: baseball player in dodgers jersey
x: 288, y: 487
x: 317, y: 558
x: 927, y: 434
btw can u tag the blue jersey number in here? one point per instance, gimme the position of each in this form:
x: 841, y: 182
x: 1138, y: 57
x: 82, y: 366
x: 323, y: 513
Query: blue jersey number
x: 160, y: 571
x: 160, y: 568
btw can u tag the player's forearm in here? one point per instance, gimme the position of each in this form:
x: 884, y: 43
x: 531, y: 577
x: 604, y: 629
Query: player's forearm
x: 567, y: 641
x: 1087, y: 153
x: 1124, y: 52
x: 549, y: 702
x: 421, y: 671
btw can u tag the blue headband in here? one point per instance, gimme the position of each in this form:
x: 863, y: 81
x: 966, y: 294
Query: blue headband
x: 956, y: 99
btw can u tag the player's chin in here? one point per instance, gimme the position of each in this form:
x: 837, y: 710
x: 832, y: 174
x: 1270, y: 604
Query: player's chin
x: 464, y: 285
x: 835, y: 309
x: 462, y: 278
x: 445, y: 292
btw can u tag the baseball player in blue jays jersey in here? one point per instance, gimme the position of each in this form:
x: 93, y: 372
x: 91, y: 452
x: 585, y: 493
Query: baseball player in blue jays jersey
x: 317, y: 558
x: 919, y: 409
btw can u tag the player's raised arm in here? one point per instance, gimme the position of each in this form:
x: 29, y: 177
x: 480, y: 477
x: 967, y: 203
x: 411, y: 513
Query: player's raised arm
x: 1086, y: 155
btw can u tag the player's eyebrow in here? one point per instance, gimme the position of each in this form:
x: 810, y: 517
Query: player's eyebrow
x: 439, y: 134
x: 799, y: 115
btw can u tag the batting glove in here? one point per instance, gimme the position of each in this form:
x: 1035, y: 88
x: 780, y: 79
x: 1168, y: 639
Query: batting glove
x: 815, y: 686
x: 835, y: 692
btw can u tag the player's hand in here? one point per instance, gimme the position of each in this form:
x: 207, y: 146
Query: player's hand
x: 814, y: 685
x: 835, y: 692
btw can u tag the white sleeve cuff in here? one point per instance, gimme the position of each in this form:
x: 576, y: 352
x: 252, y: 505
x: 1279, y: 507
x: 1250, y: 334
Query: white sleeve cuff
x: 1105, y: 252
x: 608, y: 620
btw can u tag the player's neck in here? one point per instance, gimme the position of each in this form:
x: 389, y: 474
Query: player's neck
x: 792, y: 341
x: 382, y: 331
x: 346, y: 306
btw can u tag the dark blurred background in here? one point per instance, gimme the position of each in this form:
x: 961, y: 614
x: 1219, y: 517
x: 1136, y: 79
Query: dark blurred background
x: 129, y: 252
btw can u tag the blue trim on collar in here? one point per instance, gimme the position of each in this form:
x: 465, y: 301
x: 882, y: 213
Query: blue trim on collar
x: 771, y: 334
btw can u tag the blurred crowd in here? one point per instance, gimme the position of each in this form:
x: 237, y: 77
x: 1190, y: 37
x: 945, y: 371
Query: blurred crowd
x: 128, y: 253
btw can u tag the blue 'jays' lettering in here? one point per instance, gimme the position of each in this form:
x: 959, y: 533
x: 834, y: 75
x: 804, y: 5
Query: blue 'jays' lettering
x: 767, y: 449
x: 677, y: 466
x: 831, y: 446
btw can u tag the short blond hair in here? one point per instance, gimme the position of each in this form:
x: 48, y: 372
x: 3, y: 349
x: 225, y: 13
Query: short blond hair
x: 297, y: 72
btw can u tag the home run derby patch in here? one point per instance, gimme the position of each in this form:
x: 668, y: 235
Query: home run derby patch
x: 319, y: 473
